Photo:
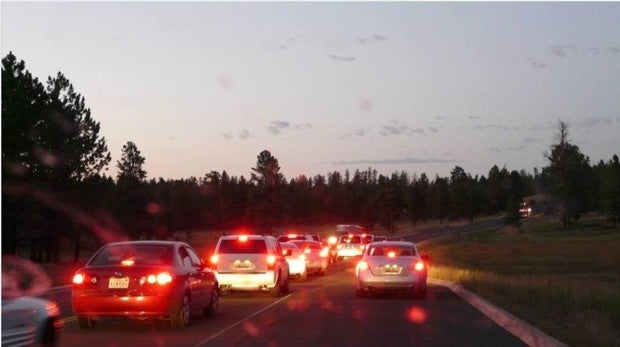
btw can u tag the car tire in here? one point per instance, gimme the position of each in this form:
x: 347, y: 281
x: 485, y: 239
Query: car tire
x: 285, y: 287
x: 85, y: 322
x: 276, y: 291
x: 49, y: 335
x: 181, y: 318
x: 214, y: 304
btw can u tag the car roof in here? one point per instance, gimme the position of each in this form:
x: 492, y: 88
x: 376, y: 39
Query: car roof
x: 147, y: 243
x: 392, y: 243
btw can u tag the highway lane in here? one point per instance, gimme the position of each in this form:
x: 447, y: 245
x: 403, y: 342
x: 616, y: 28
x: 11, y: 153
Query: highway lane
x: 322, y: 311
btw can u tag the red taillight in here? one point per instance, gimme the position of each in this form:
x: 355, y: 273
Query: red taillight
x: 418, y: 266
x: 271, y: 262
x: 78, y: 278
x: 362, y: 265
x: 162, y: 278
x: 307, y: 250
x: 243, y: 238
x: 215, y: 259
x: 324, y: 252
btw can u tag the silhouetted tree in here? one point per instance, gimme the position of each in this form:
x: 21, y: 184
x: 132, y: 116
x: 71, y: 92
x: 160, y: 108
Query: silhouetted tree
x: 130, y: 165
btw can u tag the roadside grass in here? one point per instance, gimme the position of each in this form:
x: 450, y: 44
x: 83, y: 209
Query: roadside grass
x: 566, y: 282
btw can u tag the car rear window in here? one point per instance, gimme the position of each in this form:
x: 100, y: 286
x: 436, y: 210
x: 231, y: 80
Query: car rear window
x: 403, y: 251
x: 138, y: 254
x: 245, y: 247
x: 350, y: 239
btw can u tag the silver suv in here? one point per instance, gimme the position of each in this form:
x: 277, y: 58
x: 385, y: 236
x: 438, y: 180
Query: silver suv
x: 250, y: 262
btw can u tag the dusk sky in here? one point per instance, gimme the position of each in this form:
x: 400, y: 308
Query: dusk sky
x: 330, y: 86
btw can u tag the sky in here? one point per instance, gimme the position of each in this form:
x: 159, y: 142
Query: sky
x: 331, y: 86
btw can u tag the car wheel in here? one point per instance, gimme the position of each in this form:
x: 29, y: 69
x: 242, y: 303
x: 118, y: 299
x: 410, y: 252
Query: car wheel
x: 285, y: 287
x: 49, y: 335
x: 276, y: 291
x: 214, y: 304
x: 181, y: 318
x: 85, y: 322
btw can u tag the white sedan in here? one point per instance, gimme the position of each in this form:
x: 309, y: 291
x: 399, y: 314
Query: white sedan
x: 391, y: 266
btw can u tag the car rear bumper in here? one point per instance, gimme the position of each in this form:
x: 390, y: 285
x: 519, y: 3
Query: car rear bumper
x: 366, y: 280
x: 125, y: 306
x: 246, y: 281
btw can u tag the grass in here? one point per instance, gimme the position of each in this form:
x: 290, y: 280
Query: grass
x: 565, y: 282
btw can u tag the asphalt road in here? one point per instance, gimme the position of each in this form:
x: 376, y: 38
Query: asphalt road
x: 322, y: 311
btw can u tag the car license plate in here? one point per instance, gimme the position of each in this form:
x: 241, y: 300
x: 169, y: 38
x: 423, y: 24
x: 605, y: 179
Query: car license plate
x: 119, y: 283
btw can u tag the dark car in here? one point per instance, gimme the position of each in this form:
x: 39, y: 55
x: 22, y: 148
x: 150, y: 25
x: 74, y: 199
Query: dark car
x: 144, y: 279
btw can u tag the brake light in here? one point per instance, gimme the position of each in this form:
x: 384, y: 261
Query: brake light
x: 128, y: 262
x: 243, y: 238
x: 307, y: 251
x: 324, y: 252
x: 162, y: 278
x: 391, y: 254
x: 78, y: 278
x: 362, y: 265
x: 332, y: 240
x: 292, y: 236
x: 418, y: 266
x: 215, y: 259
x: 271, y: 261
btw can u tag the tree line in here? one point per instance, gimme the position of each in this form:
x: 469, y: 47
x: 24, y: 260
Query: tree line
x: 54, y: 189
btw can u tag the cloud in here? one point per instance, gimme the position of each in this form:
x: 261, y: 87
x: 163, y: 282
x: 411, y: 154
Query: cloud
x: 392, y: 130
x: 516, y: 148
x: 302, y: 126
x: 340, y: 58
x: 591, y: 122
x: 365, y: 104
x: 395, y: 161
x: 372, y: 39
x: 351, y: 135
x: 474, y: 117
x: 225, y: 82
x: 276, y: 127
x: 538, y: 127
x: 561, y: 51
x: 244, y: 134
x: 613, y: 50
x: 529, y: 139
x: 433, y: 130
x: 536, y: 64
x: 495, y: 149
x: 494, y: 126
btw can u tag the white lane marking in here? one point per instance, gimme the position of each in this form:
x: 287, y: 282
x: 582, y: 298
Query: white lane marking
x: 242, y: 320
x: 69, y: 319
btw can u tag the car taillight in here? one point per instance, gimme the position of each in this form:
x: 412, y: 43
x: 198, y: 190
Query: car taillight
x: 324, y: 252
x: 362, y: 265
x: 162, y: 278
x: 271, y: 262
x: 307, y: 251
x: 78, y: 278
x: 332, y: 240
x: 418, y: 266
x: 215, y: 259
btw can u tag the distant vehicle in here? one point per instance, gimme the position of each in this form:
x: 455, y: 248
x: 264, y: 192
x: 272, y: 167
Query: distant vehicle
x: 291, y: 237
x: 251, y: 263
x: 296, y: 259
x: 525, y: 210
x: 350, y: 246
x: 29, y: 321
x: 144, y: 279
x: 379, y: 238
x: 317, y: 256
x: 393, y: 266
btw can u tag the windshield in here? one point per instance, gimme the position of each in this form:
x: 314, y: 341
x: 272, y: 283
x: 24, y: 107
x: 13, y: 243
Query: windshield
x: 138, y: 254
x: 243, y: 247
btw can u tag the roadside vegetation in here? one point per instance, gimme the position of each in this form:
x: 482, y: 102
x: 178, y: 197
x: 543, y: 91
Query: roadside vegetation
x: 565, y: 281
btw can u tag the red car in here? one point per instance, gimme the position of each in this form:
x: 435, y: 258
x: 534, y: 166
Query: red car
x: 144, y: 279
